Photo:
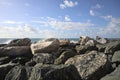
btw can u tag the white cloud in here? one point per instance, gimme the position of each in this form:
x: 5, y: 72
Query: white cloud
x: 6, y: 3
x: 11, y: 22
x: 27, y: 4
x: 68, y: 3
x: 67, y: 18
x: 113, y: 27
x: 97, y: 6
x: 108, y: 17
x: 92, y: 13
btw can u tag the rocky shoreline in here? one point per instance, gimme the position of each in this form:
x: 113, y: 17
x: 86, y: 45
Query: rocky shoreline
x: 54, y: 59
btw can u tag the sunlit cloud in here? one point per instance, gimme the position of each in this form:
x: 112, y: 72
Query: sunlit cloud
x: 67, y: 18
x: 67, y: 4
x: 11, y: 22
x: 92, y: 13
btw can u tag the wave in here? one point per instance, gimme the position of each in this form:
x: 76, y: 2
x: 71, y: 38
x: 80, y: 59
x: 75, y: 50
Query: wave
x: 5, y: 41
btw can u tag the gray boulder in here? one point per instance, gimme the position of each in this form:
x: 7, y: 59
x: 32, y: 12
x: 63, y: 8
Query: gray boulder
x: 15, y: 51
x: 4, y: 69
x: 116, y: 57
x: 64, y: 56
x: 4, y: 60
x: 43, y: 72
x: 45, y: 46
x: 115, y: 75
x: 112, y: 47
x: 20, y: 42
x: 91, y: 66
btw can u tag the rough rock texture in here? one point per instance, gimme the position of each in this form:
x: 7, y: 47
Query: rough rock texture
x: 91, y: 66
x: 116, y: 56
x: 112, y: 47
x: 44, y: 72
x: 64, y: 56
x: 83, y: 49
x: 4, y: 69
x: 115, y: 75
x: 44, y: 58
x: 4, y: 60
x: 101, y: 47
x: 20, y: 42
x: 64, y: 42
x: 15, y: 51
x: 45, y: 46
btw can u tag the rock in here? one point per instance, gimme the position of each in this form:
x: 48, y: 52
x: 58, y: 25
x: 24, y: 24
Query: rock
x: 85, y: 48
x: 101, y: 40
x: 115, y: 75
x: 20, y: 42
x: 44, y: 58
x: 101, y: 47
x: 112, y: 47
x: 16, y: 51
x: 116, y: 56
x: 85, y: 40
x: 64, y: 56
x: 4, y: 69
x: 59, y: 72
x: 91, y: 66
x: 4, y: 60
x: 2, y: 45
x: 43, y: 72
x: 64, y: 42
x: 19, y: 73
x: 45, y: 46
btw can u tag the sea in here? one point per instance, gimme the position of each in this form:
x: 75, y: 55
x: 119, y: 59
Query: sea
x: 7, y: 40
x: 72, y: 40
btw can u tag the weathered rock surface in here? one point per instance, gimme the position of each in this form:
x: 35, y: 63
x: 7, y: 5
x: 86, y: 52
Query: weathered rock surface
x: 64, y: 42
x: 91, y: 66
x: 64, y: 56
x: 115, y: 75
x: 85, y: 48
x: 45, y: 46
x: 112, y: 47
x: 101, y: 47
x: 4, y: 69
x: 20, y: 42
x: 116, y: 57
x: 15, y: 51
x: 4, y: 60
x: 44, y: 72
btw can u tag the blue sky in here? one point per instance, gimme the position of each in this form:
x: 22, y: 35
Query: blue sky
x: 59, y: 18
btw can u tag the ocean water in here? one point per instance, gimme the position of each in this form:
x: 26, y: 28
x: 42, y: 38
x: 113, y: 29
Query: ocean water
x: 7, y: 40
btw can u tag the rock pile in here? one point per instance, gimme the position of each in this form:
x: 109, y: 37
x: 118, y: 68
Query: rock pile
x: 54, y: 59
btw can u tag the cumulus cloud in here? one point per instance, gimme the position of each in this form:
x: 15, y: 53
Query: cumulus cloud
x: 67, y: 18
x: 113, y: 27
x: 97, y: 6
x: 67, y: 4
x: 92, y: 13
x: 108, y: 17
x: 11, y: 22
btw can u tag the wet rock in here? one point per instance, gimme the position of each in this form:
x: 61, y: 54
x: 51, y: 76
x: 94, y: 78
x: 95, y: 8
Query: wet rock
x: 115, y: 75
x: 112, y: 47
x: 20, y: 42
x: 91, y: 66
x: 4, y: 69
x: 85, y: 48
x: 64, y: 56
x: 16, y: 51
x: 45, y: 46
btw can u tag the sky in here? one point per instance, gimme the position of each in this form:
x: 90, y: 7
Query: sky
x: 59, y: 18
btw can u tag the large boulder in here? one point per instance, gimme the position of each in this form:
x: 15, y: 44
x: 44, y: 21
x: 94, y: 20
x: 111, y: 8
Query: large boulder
x: 91, y: 66
x: 116, y: 57
x: 20, y: 42
x: 115, y: 75
x: 112, y: 47
x: 64, y: 56
x: 64, y: 42
x: 43, y: 72
x: 15, y: 51
x: 45, y: 46
x: 4, y: 69
x: 4, y: 60
x: 84, y: 48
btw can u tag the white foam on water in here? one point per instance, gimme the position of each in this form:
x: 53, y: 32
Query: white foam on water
x: 7, y: 41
